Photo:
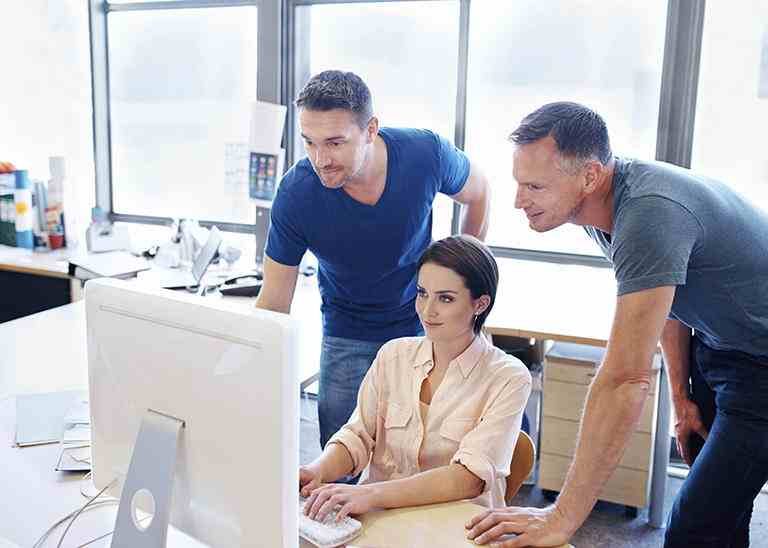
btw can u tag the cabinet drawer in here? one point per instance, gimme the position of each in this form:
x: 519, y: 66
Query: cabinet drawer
x: 569, y: 371
x: 566, y: 401
x: 625, y: 486
x: 578, y: 372
x: 558, y: 437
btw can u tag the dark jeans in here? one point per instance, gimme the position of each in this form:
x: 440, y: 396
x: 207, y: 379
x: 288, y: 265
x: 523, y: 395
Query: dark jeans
x: 714, y: 505
x: 343, y: 365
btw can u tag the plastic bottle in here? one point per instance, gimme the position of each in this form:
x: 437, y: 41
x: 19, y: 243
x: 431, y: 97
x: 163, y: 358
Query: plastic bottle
x: 55, y: 210
x: 22, y: 197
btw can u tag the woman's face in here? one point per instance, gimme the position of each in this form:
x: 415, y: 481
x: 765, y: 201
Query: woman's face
x: 444, y: 304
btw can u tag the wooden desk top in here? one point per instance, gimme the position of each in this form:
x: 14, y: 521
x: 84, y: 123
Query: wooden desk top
x: 26, y: 261
x: 569, y: 303
x: 432, y: 525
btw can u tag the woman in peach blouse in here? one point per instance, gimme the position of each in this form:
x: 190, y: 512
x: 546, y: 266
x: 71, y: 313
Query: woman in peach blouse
x: 438, y: 416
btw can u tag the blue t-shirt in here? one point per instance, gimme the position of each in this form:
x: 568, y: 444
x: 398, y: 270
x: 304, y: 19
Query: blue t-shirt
x: 672, y: 226
x: 367, y: 254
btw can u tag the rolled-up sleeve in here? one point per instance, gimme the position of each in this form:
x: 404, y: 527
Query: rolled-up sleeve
x: 486, y: 450
x: 359, y: 434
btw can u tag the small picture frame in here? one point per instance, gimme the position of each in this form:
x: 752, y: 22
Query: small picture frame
x: 262, y: 176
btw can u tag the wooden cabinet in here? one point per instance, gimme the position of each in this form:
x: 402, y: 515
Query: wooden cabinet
x: 568, y: 371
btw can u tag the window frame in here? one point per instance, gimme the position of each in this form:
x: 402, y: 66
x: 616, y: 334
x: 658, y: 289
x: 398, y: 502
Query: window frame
x: 268, y: 71
x: 276, y: 69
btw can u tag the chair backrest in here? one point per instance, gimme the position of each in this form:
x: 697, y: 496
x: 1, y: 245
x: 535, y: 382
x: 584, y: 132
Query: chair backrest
x: 522, y: 464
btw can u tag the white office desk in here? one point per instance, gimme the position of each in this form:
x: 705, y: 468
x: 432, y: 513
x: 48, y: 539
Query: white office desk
x: 33, y: 497
x: 47, y: 351
x: 42, y: 341
x: 52, y: 264
x: 537, y: 300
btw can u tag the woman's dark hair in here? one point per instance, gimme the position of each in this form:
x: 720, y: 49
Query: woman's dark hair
x: 473, y: 261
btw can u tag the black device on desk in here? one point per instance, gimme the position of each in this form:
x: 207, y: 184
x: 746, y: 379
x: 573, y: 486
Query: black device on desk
x: 247, y: 285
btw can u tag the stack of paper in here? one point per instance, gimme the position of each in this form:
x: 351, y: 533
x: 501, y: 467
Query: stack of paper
x: 112, y: 264
x: 75, y: 442
x: 40, y: 417
x: 62, y: 417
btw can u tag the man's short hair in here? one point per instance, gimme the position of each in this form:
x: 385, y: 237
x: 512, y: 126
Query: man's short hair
x: 334, y: 89
x: 579, y: 132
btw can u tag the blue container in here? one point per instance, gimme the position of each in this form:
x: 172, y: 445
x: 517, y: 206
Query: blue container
x: 24, y: 220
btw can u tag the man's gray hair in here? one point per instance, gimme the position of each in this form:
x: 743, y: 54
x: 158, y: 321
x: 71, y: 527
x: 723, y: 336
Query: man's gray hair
x: 579, y: 133
x: 334, y: 89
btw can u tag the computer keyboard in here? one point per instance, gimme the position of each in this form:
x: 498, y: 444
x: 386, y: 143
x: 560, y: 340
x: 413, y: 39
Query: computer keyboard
x: 327, y: 533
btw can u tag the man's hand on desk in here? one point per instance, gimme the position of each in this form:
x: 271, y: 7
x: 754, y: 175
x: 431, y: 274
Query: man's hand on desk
x: 533, y: 527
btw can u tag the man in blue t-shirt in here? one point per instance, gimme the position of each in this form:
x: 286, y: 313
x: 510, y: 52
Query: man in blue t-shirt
x: 690, y: 257
x: 361, y: 201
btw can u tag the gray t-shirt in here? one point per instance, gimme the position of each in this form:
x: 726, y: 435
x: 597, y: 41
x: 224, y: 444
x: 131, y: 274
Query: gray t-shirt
x: 674, y: 227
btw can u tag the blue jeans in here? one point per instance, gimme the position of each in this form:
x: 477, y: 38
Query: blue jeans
x: 714, y: 505
x: 343, y: 364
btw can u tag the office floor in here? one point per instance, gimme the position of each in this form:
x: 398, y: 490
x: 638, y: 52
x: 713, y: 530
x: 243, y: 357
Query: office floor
x: 607, y: 526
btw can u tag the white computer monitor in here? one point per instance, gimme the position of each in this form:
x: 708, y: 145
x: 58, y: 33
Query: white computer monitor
x: 230, y: 373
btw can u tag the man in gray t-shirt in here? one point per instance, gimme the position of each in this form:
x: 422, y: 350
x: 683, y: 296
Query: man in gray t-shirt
x: 674, y: 227
x: 691, y: 261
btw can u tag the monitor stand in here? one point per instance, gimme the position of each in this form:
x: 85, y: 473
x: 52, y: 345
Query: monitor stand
x: 149, y: 480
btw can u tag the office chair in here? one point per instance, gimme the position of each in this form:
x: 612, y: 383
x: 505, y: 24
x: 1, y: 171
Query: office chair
x: 522, y: 463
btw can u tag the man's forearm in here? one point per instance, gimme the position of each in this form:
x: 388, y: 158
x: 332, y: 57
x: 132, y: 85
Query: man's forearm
x: 475, y: 219
x: 266, y: 304
x: 477, y: 212
x: 675, y: 342
x: 610, y: 417
x: 444, y: 484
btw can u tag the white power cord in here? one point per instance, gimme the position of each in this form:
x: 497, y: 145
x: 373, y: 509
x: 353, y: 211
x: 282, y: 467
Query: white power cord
x: 72, y: 516
x: 49, y: 532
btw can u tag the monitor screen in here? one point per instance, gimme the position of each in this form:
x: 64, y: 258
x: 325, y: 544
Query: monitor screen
x: 229, y: 372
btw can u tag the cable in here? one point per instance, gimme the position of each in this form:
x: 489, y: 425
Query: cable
x: 81, y: 510
x: 44, y: 537
x: 72, y: 516
x: 105, y: 535
x: 83, y: 485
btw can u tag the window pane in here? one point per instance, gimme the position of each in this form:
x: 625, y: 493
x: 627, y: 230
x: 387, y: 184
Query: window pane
x: 538, y: 51
x: 732, y: 103
x: 409, y: 62
x: 45, y: 96
x: 181, y: 84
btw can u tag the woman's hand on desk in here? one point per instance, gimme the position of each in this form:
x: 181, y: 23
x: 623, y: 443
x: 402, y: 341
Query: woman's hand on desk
x: 533, y: 527
x: 352, y: 499
x: 309, y: 480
